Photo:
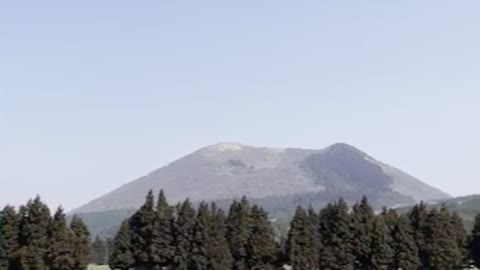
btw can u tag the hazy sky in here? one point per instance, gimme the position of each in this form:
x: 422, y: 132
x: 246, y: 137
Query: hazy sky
x: 96, y: 93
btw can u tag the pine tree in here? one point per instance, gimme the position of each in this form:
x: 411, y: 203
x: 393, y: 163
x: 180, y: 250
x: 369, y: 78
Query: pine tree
x: 336, y: 237
x: 219, y: 255
x: 443, y: 252
x: 381, y: 251
x: 390, y: 217
x: 19, y: 256
x: 183, y: 234
x: 99, y: 251
x: 81, y: 243
x: 121, y: 253
x: 3, y: 254
x: 261, y: 244
x: 60, y: 252
x: 238, y: 232
x: 418, y: 218
x: 201, y: 238
x: 9, y: 236
x: 405, y: 251
x: 474, y: 243
x: 461, y: 237
x: 362, y: 229
x: 142, y: 225
x: 317, y: 247
x: 109, y: 244
x: 299, y: 246
x: 33, y: 236
x: 161, y: 245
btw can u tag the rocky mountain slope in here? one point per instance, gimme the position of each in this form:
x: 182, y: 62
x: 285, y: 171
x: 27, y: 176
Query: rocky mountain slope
x: 276, y: 177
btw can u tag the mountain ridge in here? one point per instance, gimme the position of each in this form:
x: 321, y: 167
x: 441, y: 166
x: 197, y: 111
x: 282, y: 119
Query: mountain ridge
x: 230, y: 170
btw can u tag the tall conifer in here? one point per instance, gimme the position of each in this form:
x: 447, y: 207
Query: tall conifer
x: 121, y: 256
x: 461, y: 237
x: 9, y: 234
x: 201, y: 234
x: 219, y: 255
x: 81, y: 243
x: 142, y: 225
x: 474, y: 243
x: 362, y: 229
x: 405, y: 251
x: 33, y: 236
x: 99, y: 251
x: 183, y: 232
x: 299, y: 246
x: 382, y: 253
x: 336, y: 237
x: 261, y: 244
x: 418, y: 217
x: 161, y: 244
x: 443, y: 252
x: 60, y: 250
x: 238, y: 232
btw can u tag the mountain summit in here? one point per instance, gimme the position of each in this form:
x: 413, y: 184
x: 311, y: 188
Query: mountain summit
x: 273, y: 176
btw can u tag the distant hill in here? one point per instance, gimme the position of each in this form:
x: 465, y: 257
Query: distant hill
x: 467, y: 207
x: 278, y: 179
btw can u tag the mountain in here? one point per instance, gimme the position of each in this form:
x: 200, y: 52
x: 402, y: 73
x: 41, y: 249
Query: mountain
x: 279, y: 179
x: 231, y: 170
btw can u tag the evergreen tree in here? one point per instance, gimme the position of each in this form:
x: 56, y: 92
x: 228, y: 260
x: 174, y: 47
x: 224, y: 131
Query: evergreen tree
x: 219, y: 255
x: 474, y: 243
x: 99, y: 251
x: 161, y: 244
x: 381, y: 251
x: 390, y: 217
x: 201, y: 237
x: 9, y: 236
x: 238, y: 232
x: 142, y: 225
x: 418, y: 216
x: 4, y: 263
x: 461, y: 237
x: 121, y: 253
x: 81, y: 243
x: 33, y: 236
x: 443, y: 252
x: 261, y: 244
x: 3, y: 256
x: 60, y: 252
x: 362, y: 225
x: 336, y: 237
x: 405, y: 251
x: 317, y: 247
x: 183, y: 233
x: 109, y: 244
x: 300, y: 243
x: 19, y: 256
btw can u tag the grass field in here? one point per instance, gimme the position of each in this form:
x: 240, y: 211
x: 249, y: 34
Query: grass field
x: 98, y: 267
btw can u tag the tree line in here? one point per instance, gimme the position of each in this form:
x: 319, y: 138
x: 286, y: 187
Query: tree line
x: 161, y: 236
x: 32, y: 239
x: 184, y: 237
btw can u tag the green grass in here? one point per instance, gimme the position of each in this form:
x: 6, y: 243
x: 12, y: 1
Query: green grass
x: 98, y: 267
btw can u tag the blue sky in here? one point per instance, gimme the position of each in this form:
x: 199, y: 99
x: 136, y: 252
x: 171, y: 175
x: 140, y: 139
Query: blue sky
x: 96, y: 93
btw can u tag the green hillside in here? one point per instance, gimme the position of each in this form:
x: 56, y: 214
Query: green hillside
x: 467, y: 207
x: 106, y: 223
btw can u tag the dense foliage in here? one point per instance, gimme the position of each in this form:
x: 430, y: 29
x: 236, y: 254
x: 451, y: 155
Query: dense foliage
x: 336, y: 237
x: 31, y: 239
x: 162, y: 236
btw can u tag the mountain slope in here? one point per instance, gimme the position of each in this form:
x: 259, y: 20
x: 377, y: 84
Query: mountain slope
x: 272, y: 176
